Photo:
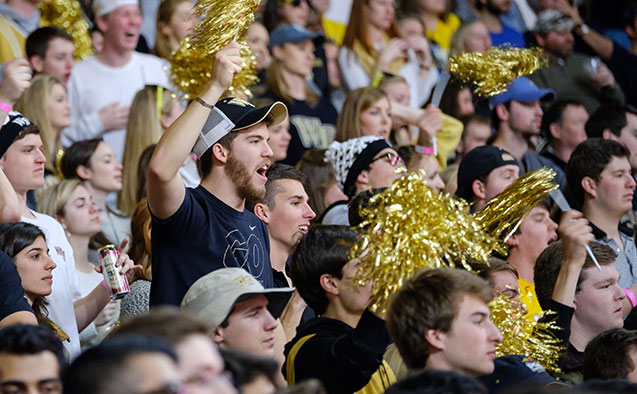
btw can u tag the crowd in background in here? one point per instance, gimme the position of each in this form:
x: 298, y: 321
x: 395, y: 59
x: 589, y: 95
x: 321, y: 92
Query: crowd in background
x: 234, y: 217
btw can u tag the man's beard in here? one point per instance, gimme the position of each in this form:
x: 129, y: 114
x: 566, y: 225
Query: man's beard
x: 494, y: 9
x: 241, y: 176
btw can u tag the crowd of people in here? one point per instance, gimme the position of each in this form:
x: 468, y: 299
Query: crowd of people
x: 235, y: 217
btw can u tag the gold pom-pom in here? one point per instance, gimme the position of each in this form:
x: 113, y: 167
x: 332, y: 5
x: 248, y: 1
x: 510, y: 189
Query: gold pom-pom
x: 222, y: 20
x: 504, y: 213
x: 522, y: 337
x: 409, y: 227
x: 493, y: 70
x: 67, y: 14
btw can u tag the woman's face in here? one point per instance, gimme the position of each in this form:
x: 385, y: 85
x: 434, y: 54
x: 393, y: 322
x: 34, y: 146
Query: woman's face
x: 433, y: 6
x: 294, y: 12
x: 182, y: 21
x: 280, y: 139
x: 80, y: 215
x: 176, y: 109
x: 258, y: 40
x: 479, y: 39
x: 105, y: 172
x: 380, y: 13
x: 58, y: 108
x: 35, y: 269
x: 411, y: 27
x: 376, y: 119
x: 465, y: 102
x: 296, y: 58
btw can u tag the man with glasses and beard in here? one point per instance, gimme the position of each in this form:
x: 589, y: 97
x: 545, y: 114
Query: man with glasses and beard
x: 196, y: 231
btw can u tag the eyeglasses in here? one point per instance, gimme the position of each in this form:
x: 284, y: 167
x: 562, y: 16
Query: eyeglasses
x: 293, y: 3
x: 391, y: 157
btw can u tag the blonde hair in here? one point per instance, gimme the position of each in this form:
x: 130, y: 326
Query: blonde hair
x: 33, y: 105
x: 460, y: 36
x: 53, y: 198
x: 164, y: 14
x: 357, y: 101
x: 142, y: 130
x: 139, y: 250
x: 277, y: 85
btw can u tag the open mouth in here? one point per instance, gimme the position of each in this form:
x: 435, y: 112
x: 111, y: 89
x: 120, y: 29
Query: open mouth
x: 303, y: 228
x: 131, y: 33
x: 262, y: 170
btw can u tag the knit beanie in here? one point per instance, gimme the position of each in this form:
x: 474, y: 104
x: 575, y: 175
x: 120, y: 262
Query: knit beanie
x: 351, y: 157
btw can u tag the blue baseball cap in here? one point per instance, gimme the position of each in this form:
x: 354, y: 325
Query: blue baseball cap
x: 293, y: 33
x: 523, y: 89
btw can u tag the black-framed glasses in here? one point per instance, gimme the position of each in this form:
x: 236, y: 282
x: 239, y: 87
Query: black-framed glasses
x: 393, y: 158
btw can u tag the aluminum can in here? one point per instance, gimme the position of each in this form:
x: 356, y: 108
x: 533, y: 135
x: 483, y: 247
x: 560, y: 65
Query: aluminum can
x: 118, y: 283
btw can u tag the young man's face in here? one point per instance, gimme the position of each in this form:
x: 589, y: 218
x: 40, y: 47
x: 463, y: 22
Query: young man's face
x: 475, y: 134
x: 382, y: 169
x: 469, y: 347
x: 201, y: 366
x: 628, y: 137
x: 58, y: 59
x: 598, y: 301
x: 571, y: 129
x: 153, y: 372
x: 506, y: 282
x: 613, y: 191
x: 500, y: 178
x: 30, y: 373
x: 121, y: 27
x: 250, y: 328
x: 525, y: 118
x: 291, y: 216
x: 23, y: 163
x: 248, y: 161
x: 536, y: 232
x: 353, y: 298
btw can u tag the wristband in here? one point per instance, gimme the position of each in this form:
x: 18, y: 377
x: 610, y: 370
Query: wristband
x: 424, y: 150
x: 631, y: 297
x: 4, y: 107
x: 202, y: 102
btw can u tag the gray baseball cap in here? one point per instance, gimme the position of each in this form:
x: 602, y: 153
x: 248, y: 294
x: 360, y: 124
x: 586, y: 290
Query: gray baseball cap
x: 213, y: 296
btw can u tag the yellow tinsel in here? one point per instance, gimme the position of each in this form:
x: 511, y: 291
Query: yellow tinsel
x: 222, y: 20
x: 503, y: 214
x: 492, y: 71
x: 409, y: 227
x: 67, y: 14
x: 522, y: 337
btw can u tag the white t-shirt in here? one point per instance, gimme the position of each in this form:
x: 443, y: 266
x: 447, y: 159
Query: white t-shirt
x: 94, y: 85
x: 65, y: 287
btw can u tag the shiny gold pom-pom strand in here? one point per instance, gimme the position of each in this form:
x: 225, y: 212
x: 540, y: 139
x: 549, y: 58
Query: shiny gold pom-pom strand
x: 67, y: 14
x: 409, y: 227
x: 222, y: 21
x: 523, y: 337
x: 493, y: 70
x: 503, y: 214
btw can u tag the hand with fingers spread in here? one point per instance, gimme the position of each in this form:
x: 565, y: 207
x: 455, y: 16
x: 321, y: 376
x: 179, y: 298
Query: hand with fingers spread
x: 16, y: 78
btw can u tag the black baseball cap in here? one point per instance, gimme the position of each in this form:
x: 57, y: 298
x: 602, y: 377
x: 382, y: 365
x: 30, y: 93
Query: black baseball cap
x: 479, y: 162
x: 235, y: 114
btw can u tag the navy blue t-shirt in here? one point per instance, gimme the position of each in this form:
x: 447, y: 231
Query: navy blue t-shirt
x: 205, y: 234
x: 12, y: 297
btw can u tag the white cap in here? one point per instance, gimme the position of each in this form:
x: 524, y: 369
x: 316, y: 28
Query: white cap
x: 103, y: 7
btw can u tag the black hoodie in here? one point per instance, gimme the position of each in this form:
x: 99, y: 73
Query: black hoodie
x: 341, y: 357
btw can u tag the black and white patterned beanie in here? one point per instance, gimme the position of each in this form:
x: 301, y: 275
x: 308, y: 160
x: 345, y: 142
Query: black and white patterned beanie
x: 351, y: 157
